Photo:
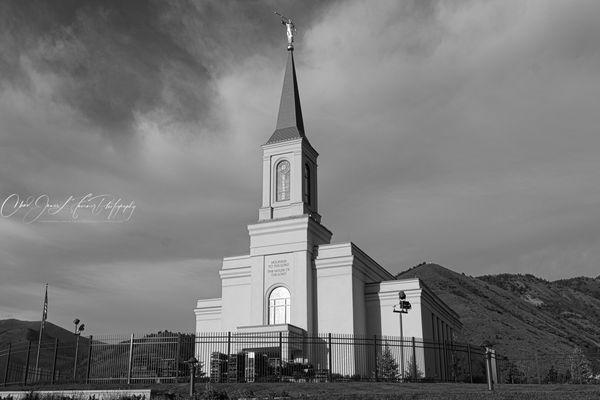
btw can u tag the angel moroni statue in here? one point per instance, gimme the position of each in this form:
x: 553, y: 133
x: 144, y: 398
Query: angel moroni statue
x: 290, y: 30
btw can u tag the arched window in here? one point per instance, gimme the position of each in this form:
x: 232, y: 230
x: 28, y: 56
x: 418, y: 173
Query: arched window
x: 282, y: 180
x: 279, y: 306
x: 306, y: 184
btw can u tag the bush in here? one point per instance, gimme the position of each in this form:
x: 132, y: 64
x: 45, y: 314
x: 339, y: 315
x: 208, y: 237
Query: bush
x: 213, y: 394
x: 336, y: 377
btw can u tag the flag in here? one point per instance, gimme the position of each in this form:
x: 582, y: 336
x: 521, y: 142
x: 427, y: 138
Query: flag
x: 45, y: 312
x: 44, y: 317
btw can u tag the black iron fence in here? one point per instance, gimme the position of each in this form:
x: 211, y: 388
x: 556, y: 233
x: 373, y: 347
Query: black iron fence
x: 284, y: 356
x: 275, y: 356
x: 19, y: 363
x: 240, y: 357
x: 577, y: 366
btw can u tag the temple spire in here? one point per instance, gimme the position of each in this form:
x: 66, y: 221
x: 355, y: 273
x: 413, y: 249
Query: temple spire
x: 290, y: 112
x: 290, y: 125
x: 289, y: 120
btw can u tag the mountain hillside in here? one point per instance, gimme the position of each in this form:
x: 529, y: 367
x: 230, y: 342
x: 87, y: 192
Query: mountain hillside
x: 590, y: 286
x: 19, y: 333
x: 577, y: 309
x: 518, y: 314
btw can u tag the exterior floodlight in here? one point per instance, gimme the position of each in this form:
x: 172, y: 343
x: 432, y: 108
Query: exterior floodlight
x: 81, y: 328
x: 402, y: 295
x: 76, y: 321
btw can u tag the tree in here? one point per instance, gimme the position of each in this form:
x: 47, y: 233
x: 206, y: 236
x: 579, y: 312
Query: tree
x: 412, y: 371
x: 579, y: 366
x: 551, y: 376
x: 512, y: 373
x: 387, y: 367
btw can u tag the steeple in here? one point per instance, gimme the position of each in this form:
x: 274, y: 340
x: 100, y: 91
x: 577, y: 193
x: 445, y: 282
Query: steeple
x: 289, y: 120
x: 289, y: 161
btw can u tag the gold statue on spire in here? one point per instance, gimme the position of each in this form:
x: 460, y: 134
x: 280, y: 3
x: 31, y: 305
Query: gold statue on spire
x: 290, y: 30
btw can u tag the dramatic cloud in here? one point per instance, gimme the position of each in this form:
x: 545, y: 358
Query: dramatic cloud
x: 459, y: 132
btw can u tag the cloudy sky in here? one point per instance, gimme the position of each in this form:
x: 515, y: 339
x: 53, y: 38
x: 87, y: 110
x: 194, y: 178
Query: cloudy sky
x: 460, y: 132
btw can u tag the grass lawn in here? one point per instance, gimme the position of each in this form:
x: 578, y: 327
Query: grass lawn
x: 395, y: 391
x: 364, y: 390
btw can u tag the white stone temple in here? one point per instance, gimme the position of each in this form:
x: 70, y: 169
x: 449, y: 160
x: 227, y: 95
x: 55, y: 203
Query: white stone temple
x: 294, y: 278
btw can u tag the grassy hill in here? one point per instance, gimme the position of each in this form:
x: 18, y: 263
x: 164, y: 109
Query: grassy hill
x: 19, y: 333
x: 519, y: 314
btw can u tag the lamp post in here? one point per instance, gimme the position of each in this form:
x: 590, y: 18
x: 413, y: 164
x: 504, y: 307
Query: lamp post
x: 78, y: 329
x: 402, y: 308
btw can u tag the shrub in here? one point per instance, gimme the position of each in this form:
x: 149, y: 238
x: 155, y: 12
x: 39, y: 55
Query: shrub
x: 356, y: 377
x: 387, y: 367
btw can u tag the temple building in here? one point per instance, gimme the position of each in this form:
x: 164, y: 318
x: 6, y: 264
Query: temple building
x: 294, y: 279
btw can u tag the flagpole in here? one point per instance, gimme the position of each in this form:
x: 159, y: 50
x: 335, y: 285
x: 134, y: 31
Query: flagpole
x: 44, y: 316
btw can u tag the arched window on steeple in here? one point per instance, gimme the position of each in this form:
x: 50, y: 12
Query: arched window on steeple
x: 282, y: 180
x: 306, y: 184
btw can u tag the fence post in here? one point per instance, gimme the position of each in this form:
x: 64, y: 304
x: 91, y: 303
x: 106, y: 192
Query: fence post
x: 7, y: 364
x: 498, y: 370
x: 280, y: 356
x: 130, y: 363
x: 537, y: 368
x: 452, y: 357
x: 439, y: 349
x: 89, y: 362
x: 445, y: 359
x: 470, y: 362
x: 414, y: 356
x: 330, y: 358
x: 228, y: 345
x: 375, y: 354
x: 488, y: 368
x: 177, y: 355
x: 52, y: 379
x: 27, y: 365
